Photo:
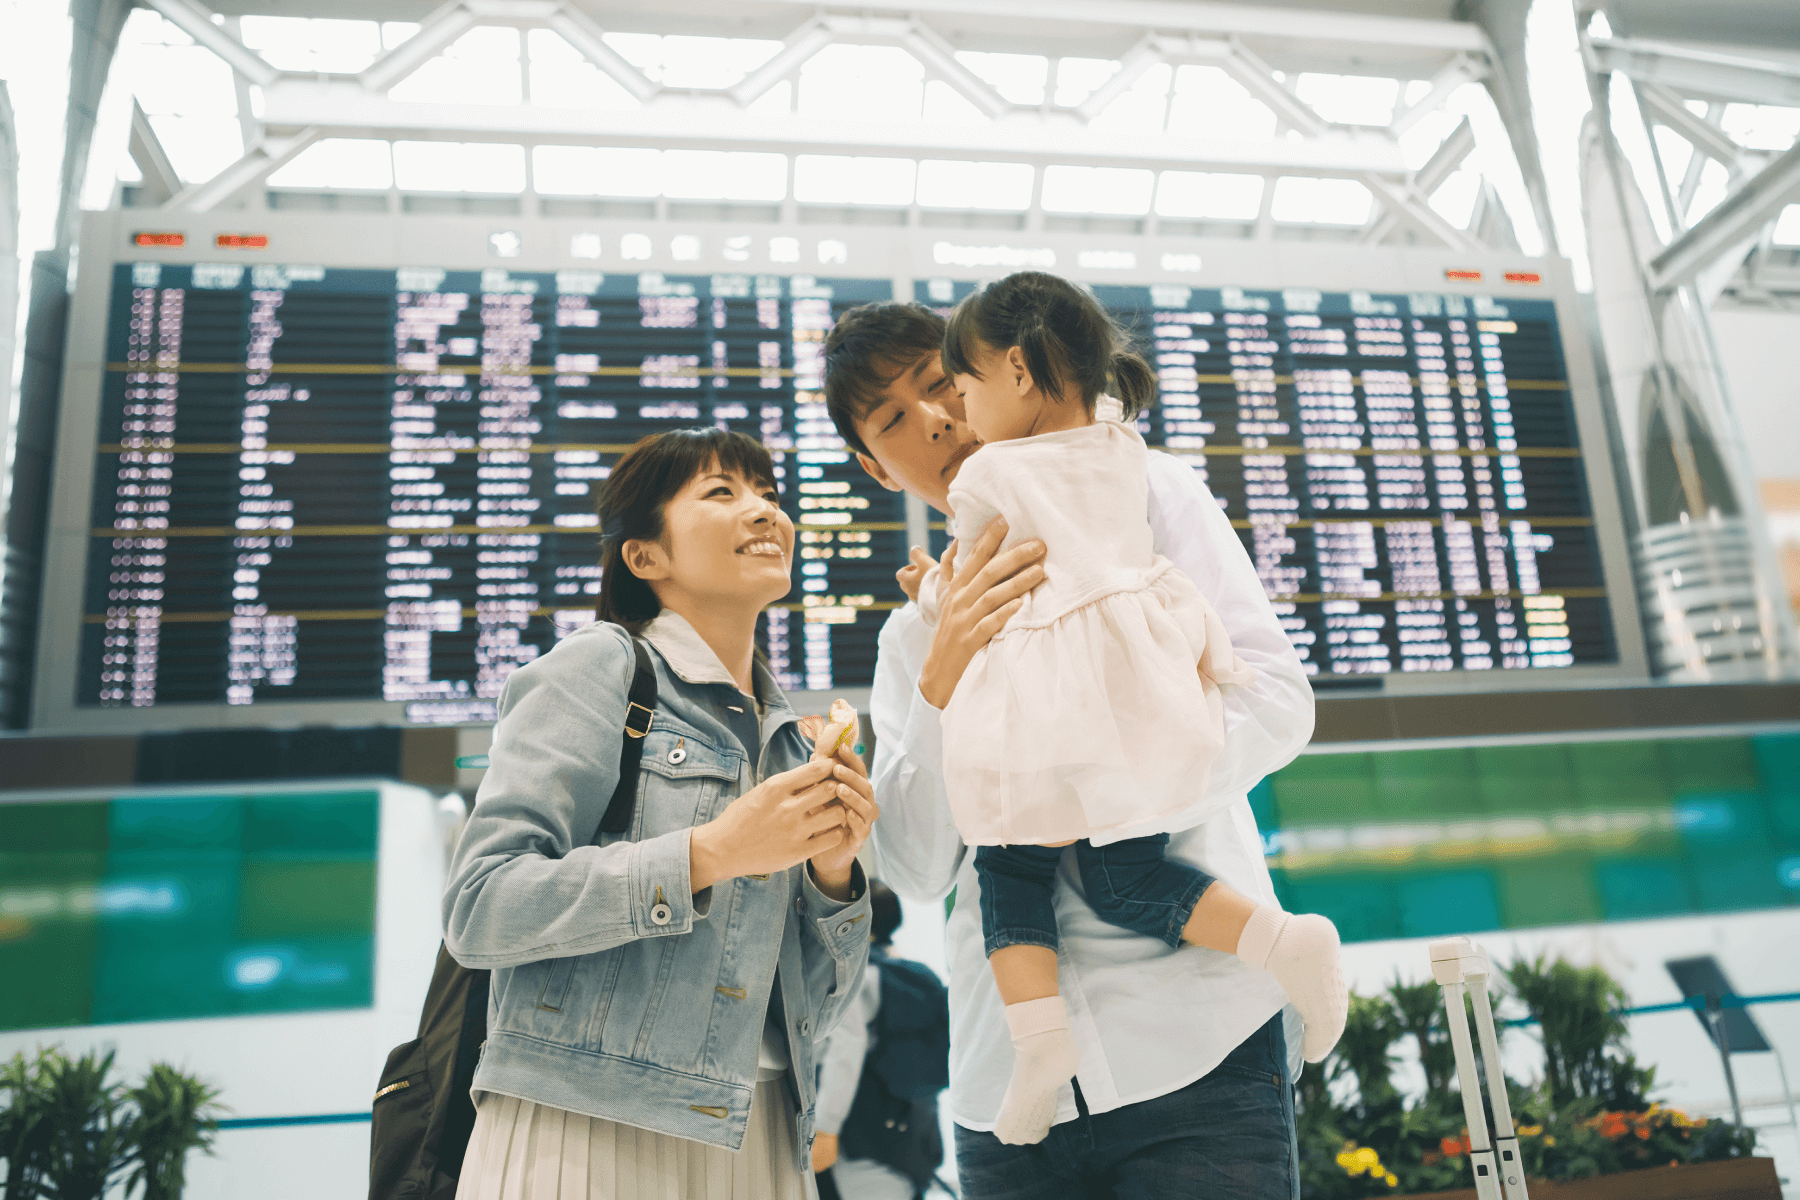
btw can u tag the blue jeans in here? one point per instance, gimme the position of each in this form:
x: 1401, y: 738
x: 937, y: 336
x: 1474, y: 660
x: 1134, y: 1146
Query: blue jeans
x: 1226, y: 1136
x: 1129, y: 884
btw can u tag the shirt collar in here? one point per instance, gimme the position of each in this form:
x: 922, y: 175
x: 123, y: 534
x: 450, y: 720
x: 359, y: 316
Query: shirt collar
x: 693, y: 661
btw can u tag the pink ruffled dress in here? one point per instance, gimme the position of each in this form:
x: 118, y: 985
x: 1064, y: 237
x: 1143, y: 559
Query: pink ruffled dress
x: 1085, y: 716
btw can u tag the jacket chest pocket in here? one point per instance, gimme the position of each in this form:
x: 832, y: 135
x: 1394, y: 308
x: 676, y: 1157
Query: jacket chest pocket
x: 681, y: 779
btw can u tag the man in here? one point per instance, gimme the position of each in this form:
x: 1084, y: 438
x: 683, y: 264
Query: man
x: 1186, y: 1067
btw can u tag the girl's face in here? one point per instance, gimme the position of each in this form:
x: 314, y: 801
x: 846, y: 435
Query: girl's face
x: 1001, y: 403
x: 725, y: 542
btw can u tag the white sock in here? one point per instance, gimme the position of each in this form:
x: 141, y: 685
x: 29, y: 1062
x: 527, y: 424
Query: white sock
x: 1302, y: 953
x: 1044, y: 1058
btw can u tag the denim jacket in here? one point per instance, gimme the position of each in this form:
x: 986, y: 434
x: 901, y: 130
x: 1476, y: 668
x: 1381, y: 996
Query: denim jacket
x: 615, y: 992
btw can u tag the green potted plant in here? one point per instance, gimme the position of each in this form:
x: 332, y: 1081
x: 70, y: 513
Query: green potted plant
x: 1582, y: 1129
x: 69, y: 1131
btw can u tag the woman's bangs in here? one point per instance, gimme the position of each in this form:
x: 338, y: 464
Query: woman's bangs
x: 740, y: 454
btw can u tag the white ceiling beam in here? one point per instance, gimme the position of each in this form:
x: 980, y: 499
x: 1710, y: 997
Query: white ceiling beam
x: 587, y: 37
x: 1699, y: 72
x: 1458, y: 71
x: 257, y: 164
x: 161, y: 181
x: 345, y: 109
x: 939, y: 57
x: 195, y: 20
x: 1137, y: 60
x: 1189, y: 16
x: 435, y: 32
x: 796, y: 48
x: 1410, y: 207
x: 1707, y: 138
x: 1429, y: 178
x: 1738, y: 217
x: 1259, y: 79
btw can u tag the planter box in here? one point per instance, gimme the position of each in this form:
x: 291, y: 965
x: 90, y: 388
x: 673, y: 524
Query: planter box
x: 1727, y: 1179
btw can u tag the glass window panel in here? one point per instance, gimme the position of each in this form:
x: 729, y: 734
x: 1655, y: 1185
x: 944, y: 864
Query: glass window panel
x: 565, y: 170
x: 339, y: 163
x: 1674, y: 149
x: 446, y: 80
x: 199, y: 147
x: 1349, y: 99
x: 1455, y: 198
x: 1761, y: 126
x: 947, y: 184
x: 185, y: 81
x: 1787, y: 226
x: 1207, y: 99
x: 944, y: 105
x: 641, y: 50
x: 724, y: 175
x: 486, y: 43
x: 313, y: 44
x: 562, y: 78
x: 1217, y: 197
x: 628, y: 171
x: 844, y: 82
x: 1714, y: 183
x: 459, y: 167
x: 1144, y: 107
x: 1122, y: 190
x: 1018, y: 77
x: 1304, y: 201
x: 1076, y: 78
x: 839, y: 179
x: 712, y: 62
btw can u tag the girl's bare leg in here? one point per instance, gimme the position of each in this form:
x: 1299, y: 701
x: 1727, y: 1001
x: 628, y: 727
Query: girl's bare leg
x: 1300, y: 951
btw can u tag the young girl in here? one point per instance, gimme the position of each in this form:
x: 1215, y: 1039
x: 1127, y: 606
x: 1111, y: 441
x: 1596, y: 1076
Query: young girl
x: 1094, y: 715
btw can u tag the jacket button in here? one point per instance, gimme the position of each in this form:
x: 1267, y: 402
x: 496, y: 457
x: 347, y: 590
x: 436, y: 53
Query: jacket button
x: 661, y: 913
x: 677, y: 756
x: 805, y: 1026
x: 844, y: 928
x: 800, y: 905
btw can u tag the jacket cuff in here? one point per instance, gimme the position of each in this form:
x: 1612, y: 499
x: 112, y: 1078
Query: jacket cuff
x: 842, y: 925
x: 661, y: 878
x: 924, y: 735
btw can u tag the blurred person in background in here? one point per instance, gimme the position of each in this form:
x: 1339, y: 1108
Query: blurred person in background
x: 878, y: 1132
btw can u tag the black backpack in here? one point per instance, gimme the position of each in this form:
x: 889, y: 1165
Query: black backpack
x: 423, y: 1114
x: 894, y: 1118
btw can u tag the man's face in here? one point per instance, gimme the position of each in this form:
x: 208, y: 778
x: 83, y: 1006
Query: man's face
x: 917, y: 434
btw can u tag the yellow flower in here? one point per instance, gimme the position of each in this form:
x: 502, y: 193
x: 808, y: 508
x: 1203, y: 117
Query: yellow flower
x: 1550, y: 1139
x: 1392, y: 1180
x: 1529, y: 1130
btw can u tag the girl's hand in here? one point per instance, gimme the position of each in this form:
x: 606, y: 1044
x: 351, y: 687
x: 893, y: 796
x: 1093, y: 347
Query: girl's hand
x: 855, y: 814
x: 913, y: 573
x: 769, y: 828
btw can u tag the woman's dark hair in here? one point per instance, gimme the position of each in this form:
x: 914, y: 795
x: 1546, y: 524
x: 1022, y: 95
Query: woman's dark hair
x: 884, y: 913
x: 1072, y: 346
x: 631, y: 506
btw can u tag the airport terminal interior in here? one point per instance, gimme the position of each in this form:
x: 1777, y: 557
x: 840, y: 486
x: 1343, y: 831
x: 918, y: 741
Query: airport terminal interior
x: 322, y: 324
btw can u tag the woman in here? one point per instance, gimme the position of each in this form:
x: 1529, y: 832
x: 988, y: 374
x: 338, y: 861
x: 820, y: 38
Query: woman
x: 657, y: 995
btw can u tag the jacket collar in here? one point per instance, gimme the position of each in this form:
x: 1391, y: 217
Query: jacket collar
x: 693, y: 661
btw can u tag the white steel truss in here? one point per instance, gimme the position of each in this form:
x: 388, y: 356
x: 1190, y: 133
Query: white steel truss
x: 298, y: 109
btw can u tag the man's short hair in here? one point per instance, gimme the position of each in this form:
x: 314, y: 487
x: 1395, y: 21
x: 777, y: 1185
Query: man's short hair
x: 870, y: 347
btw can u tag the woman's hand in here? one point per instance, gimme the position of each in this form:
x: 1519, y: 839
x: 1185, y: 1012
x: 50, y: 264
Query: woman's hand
x: 770, y: 827
x: 832, y: 865
x: 825, y: 1152
x: 973, y: 603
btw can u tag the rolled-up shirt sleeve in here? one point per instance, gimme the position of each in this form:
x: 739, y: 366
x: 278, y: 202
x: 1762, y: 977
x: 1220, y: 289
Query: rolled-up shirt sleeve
x: 1269, y: 720
x: 917, y: 848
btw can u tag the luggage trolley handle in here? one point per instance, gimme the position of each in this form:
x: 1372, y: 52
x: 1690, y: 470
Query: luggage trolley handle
x: 1461, y: 965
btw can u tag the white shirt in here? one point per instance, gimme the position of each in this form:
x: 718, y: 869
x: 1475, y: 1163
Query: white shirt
x: 1147, y: 1020
x: 841, y: 1065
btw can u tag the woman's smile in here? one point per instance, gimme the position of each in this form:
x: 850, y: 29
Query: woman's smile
x: 763, y: 544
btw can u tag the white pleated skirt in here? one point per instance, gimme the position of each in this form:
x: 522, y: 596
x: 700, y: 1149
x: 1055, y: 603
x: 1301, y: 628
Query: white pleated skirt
x: 525, y: 1151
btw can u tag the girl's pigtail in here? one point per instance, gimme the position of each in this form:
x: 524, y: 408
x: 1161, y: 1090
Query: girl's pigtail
x: 1039, y: 346
x: 1134, y: 382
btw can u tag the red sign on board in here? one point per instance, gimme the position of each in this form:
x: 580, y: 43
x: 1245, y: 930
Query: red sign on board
x: 1456, y: 276
x: 242, y: 241
x: 159, y: 239
x: 1524, y: 277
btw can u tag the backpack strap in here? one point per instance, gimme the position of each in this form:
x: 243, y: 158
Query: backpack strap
x: 640, y: 710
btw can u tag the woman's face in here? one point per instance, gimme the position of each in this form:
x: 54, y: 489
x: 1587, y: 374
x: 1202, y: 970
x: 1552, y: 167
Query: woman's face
x: 725, y: 541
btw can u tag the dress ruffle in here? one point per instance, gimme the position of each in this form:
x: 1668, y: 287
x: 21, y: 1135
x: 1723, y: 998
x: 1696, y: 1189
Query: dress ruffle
x: 1094, y: 724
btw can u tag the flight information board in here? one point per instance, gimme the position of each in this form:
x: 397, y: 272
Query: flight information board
x: 1403, y: 469
x: 353, y: 484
